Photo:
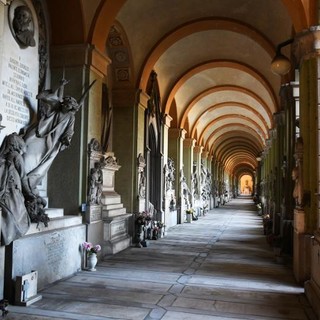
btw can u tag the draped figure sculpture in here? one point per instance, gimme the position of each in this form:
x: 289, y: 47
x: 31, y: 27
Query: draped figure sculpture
x: 25, y: 160
x: 13, y: 189
x: 51, y: 134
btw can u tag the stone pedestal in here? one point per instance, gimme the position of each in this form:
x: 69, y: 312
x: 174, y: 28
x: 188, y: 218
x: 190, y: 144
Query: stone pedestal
x: 1, y: 264
x: 55, y: 252
x: 170, y: 219
x: 116, y: 224
x: 115, y: 218
x: 1, y: 271
x: 301, y: 245
x: 312, y: 286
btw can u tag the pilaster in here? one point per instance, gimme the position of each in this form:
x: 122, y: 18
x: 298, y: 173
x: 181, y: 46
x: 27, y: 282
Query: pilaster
x: 81, y: 65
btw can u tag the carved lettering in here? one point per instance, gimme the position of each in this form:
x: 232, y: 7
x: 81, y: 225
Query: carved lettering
x: 16, y: 92
x: 56, y: 251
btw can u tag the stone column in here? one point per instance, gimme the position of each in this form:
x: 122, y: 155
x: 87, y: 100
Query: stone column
x: 306, y: 219
x: 128, y: 141
x: 175, y: 151
x: 188, y: 145
x: 139, y: 119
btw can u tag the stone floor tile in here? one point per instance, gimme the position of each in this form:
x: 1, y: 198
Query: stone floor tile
x: 218, y: 267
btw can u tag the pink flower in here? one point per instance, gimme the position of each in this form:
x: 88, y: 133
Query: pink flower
x: 97, y: 247
x: 90, y: 248
x: 87, y: 245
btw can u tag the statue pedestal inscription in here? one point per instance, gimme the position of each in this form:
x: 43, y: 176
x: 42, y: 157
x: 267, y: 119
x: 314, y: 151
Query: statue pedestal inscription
x: 93, y: 213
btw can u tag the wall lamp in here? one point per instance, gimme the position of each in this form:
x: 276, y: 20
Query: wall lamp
x: 280, y: 64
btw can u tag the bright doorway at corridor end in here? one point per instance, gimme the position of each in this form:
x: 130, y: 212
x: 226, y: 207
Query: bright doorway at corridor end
x: 246, y: 185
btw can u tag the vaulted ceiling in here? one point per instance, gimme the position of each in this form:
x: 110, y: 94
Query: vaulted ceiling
x: 212, y: 60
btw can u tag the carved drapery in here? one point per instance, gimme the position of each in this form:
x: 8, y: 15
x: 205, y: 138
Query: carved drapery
x: 141, y: 177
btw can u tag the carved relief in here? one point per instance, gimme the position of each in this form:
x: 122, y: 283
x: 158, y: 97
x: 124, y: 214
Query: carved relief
x: 297, y: 174
x: 26, y: 159
x: 141, y: 177
x: 122, y: 74
x: 115, y: 37
x: 169, y: 173
x: 186, y: 194
x: 95, y: 184
x: 22, y: 25
x: 117, y: 48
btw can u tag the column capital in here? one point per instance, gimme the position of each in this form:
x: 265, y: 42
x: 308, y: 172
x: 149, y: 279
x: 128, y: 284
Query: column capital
x: 73, y: 55
x: 167, y: 120
x: 198, y: 149
x: 204, y: 154
x: 142, y: 99
x: 307, y: 44
x: 177, y: 133
x: 189, y: 142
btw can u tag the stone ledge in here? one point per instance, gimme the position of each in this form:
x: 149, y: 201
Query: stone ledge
x: 55, y: 223
x: 116, y: 245
x: 117, y: 218
x: 113, y: 213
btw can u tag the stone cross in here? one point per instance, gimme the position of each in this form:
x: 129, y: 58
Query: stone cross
x: 25, y: 288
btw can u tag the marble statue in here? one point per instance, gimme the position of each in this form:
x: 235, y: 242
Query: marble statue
x: 186, y: 193
x: 26, y: 159
x: 95, y: 184
x: 51, y: 134
x: 297, y: 174
x: 14, y: 188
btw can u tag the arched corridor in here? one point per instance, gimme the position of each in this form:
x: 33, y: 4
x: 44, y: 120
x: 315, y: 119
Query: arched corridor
x: 218, y: 267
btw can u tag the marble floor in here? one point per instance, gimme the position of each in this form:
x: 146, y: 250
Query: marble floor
x: 219, y: 267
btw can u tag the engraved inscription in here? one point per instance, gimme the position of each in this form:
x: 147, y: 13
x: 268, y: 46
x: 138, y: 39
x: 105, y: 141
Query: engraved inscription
x: 94, y: 214
x: 56, y: 250
x: 16, y: 93
x: 118, y: 229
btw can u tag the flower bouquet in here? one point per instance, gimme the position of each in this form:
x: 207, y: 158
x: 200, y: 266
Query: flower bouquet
x: 143, y: 217
x: 90, y: 248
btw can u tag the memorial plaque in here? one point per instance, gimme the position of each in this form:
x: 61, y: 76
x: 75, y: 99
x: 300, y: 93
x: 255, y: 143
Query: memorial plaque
x: 19, y: 72
x: 118, y: 228
x: 93, y: 213
x: 56, y: 250
x: 54, y: 254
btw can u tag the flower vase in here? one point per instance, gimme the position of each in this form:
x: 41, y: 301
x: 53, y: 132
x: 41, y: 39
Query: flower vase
x: 92, y: 262
x: 139, y: 235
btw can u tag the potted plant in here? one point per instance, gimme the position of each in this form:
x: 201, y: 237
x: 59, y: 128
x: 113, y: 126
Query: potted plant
x: 91, y: 251
x: 189, y: 213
